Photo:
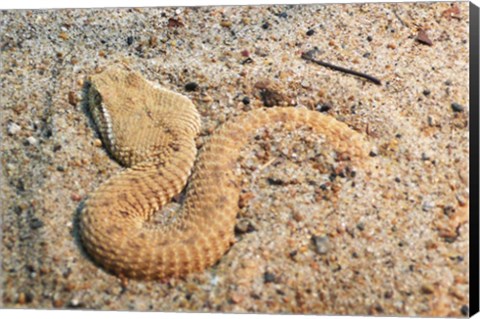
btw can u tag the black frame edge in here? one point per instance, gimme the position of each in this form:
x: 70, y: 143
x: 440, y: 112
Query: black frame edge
x: 474, y: 160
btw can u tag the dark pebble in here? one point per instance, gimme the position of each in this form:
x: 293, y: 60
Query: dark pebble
x: 265, y: 26
x: 397, y: 179
x: 283, y: 15
x: 457, y: 107
x: 323, y: 108
x: 130, y: 40
x: 244, y: 226
x: 29, y: 297
x: 57, y: 147
x: 367, y: 54
x: 448, y: 210
x: 361, y: 226
x: 275, y: 181
x: 369, y: 38
x: 268, y: 277
x: 246, y: 100
x: 426, y: 92
x: 191, y: 86
x: 448, y: 82
x: 388, y: 294
x: 372, y: 154
x: 465, y: 310
x: 36, y: 223
x: 321, y: 244
x: 310, y: 32
x: 60, y: 168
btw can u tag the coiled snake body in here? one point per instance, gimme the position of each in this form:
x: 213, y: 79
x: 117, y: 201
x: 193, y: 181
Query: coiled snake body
x: 151, y: 131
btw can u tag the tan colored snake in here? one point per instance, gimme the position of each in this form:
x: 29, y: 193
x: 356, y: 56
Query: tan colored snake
x: 151, y: 131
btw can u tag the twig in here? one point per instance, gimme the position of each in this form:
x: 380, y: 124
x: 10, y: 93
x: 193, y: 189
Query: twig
x: 308, y: 56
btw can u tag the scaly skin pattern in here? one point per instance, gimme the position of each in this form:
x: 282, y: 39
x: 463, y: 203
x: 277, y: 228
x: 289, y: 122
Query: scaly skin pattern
x: 152, y: 131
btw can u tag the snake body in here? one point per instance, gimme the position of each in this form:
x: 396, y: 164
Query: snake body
x: 151, y: 131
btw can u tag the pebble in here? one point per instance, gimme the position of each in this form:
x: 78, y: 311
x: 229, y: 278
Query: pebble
x: 427, y: 289
x: 244, y: 226
x: 32, y: 140
x: 265, y: 26
x: 72, y: 98
x: 457, y: 107
x: 129, y: 40
x: 97, y: 142
x: 323, y: 108
x: 283, y: 15
x: 426, y: 92
x: 75, y: 197
x: 369, y: 38
x: 268, y: 277
x: 21, y: 298
x: 321, y: 244
x: 310, y: 32
x: 191, y: 86
x: 36, y: 223
x: 13, y: 128
x: 422, y: 37
x: 465, y: 310
x: 246, y: 100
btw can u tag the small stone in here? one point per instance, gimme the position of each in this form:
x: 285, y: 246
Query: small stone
x: 36, y: 223
x: 32, y: 140
x: 21, y: 298
x: 129, y: 40
x: 246, y: 100
x: 422, y: 37
x: 323, y: 108
x: 245, y: 53
x: 321, y: 244
x: 457, y: 107
x: 236, y: 297
x: 97, y: 142
x: 373, y: 153
x: 465, y: 310
x: 191, y: 86
x: 275, y: 181
x: 63, y: 36
x: 13, y: 128
x: 427, y: 206
x: 366, y: 54
x: 426, y: 92
x: 265, y: 26
x: 310, y: 32
x: 72, y: 98
x: 75, y: 197
x: 226, y: 23
x: 361, y: 226
x: 57, y: 303
x: 369, y: 38
x: 60, y: 168
x: 427, y: 289
x: 244, y: 226
x: 283, y: 15
x: 268, y: 277
x: 448, y: 210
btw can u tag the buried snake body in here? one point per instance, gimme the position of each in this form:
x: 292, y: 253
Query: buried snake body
x: 152, y: 131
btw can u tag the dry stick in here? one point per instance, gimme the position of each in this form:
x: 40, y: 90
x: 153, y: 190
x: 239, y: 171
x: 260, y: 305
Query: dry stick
x: 307, y: 56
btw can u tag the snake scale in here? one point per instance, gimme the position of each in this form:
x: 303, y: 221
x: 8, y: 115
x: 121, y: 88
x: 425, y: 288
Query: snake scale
x: 152, y: 132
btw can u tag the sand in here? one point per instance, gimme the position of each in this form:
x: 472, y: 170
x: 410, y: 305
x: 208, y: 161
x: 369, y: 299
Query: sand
x: 314, y: 235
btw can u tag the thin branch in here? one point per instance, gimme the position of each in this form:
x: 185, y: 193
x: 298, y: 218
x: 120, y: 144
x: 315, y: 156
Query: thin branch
x: 309, y: 57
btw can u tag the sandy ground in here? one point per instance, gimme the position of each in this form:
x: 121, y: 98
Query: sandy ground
x: 312, y: 236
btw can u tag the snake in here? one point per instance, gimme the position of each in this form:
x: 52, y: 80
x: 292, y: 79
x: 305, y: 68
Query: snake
x: 151, y: 131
